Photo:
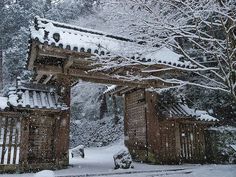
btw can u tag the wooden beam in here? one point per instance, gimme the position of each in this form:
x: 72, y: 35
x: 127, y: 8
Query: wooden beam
x: 57, y: 52
x: 126, y: 90
x: 33, y: 55
x: 38, y: 77
x: 47, y: 79
x: 67, y: 64
x: 109, y: 79
x: 99, y: 77
x: 48, y: 70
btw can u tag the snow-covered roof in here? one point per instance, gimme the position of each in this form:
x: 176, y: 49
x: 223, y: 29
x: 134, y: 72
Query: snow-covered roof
x: 183, y: 111
x: 23, y: 96
x: 98, y: 43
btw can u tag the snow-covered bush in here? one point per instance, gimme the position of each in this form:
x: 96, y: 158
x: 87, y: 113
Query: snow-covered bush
x: 78, y: 151
x: 89, y: 125
x: 96, y: 133
x: 123, y: 160
x: 221, y: 143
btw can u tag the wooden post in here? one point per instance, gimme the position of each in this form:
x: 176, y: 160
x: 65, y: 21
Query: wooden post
x: 24, y: 145
x: 116, y: 118
x: 63, y: 122
x: 9, y: 155
x: 4, y: 140
x: 177, y: 142
x: 153, y: 131
x: 1, y: 71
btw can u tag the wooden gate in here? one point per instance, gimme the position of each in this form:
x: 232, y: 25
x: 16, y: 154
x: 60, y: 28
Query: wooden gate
x: 9, y: 140
x: 41, y: 136
x: 192, y: 143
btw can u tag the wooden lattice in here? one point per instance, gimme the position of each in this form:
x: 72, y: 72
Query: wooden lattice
x: 9, y: 140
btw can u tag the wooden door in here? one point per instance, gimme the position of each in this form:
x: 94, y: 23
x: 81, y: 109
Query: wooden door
x: 192, y: 142
x: 41, y: 138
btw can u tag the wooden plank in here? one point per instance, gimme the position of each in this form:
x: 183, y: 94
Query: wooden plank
x: 10, y: 140
x: 67, y: 64
x: 33, y: 55
x: 197, y: 144
x: 4, y: 140
x: 1, y: 125
x: 49, y: 77
x: 24, y: 145
x: 187, y: 141
x: 48, y: 70
x: 46, y: 50
x: 16, y: 144
x: 38, y: 78
x: 191, y: 140
x: 177, y: 141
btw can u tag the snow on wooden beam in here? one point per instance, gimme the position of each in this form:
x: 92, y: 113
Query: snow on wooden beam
x: 120, y: 90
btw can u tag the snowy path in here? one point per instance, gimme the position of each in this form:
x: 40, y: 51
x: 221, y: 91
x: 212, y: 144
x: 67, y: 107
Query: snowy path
x: 98, y: 162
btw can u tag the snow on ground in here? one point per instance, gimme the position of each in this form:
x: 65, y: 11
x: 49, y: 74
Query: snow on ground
x: 99, y: 162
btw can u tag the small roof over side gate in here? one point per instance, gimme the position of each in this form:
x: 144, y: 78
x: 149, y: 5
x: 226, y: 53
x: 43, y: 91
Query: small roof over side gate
x: 177, y: 109
x: 182, y: 110
x: 25, y: 96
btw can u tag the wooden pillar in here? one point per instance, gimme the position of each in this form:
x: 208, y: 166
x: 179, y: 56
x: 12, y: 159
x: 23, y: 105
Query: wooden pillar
x: 116, y: 118
x: 153, y: 131
x: 177, y: 142
x: 62, y: 131
x: 1, y: 70
x: 126, y: 137
x: 24, y: 142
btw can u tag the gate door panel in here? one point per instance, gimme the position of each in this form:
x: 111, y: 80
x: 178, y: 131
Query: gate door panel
x: 192, y: 143
x: 41, y: 140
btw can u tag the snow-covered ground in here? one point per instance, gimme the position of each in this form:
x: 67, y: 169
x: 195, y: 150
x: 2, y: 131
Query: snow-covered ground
x: 99, y: 162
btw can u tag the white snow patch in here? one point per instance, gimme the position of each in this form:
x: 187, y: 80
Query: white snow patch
x: 77, y: 151
x: 163, y: 54
x: 45, y: 173
x: 3, y: 102
x: 233, y: 146
x: 198, y: 114
x: 99, y: 162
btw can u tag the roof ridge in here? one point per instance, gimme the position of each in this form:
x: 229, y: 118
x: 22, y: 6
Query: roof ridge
x: 81, y: 29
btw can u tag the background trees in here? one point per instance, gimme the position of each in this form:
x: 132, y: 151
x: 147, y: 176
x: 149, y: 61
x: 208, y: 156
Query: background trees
x: 15, y: 18
x: 204, y: 32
